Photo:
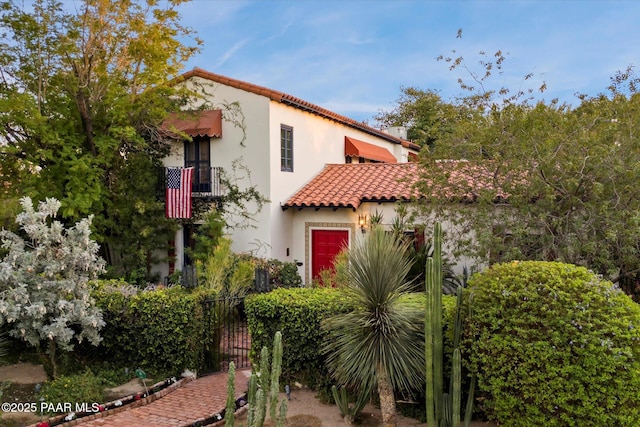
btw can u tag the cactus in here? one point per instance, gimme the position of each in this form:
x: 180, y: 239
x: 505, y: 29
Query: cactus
x: 456, y: 381
x: 469, y: 408
x: 263, y: 381
x: 349, y: 413
x: 433, y: 331
x: 282, y: 416
x: 263, y: 389
x: 276, y: 369
x: 230, y: 409
x: 437, y: 318
x: 443, y: 409
x: 428, y: 348
x: 261, y: 409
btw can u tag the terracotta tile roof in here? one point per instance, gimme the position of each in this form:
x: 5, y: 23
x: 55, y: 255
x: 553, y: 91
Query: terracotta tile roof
x: 349, y: 185
x: 464, y: 180
x: 195, y: 123
x: 295, y: 102
x: 356, y: 148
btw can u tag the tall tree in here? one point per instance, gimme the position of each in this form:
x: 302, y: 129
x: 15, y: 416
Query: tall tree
x: 547, y: 181
x: 422, y: 112
x: 82, y: 95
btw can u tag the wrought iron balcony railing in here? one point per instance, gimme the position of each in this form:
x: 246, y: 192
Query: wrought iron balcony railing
x: 206, y: 183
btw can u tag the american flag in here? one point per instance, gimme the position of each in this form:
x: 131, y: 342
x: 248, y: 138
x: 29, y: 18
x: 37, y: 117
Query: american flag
x: 178, y: 195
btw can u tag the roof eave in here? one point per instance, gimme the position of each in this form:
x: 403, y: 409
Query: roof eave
x: 318, y: 206
x: 294, y: 102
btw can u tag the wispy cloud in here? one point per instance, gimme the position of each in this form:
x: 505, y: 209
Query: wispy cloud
x: 354, y: 56
x: 279, y: 34
x: 230, y: 52
x: 205, y: 13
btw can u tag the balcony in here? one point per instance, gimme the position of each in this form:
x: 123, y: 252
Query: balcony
x: 206, y: 184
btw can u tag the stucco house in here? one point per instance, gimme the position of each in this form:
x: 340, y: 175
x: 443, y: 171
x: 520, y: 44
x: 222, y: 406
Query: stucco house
x: 294, y: 151
x: 338, y: 205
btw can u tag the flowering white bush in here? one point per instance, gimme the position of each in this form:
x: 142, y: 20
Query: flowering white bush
x: 44, y: 294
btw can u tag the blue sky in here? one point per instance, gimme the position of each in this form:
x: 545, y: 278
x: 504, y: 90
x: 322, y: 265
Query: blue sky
x: 353, y: 57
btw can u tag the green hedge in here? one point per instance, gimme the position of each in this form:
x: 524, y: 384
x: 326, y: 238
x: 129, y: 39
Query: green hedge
x: 554, y: 345
x: 158, y: 330
x: 298, y: 314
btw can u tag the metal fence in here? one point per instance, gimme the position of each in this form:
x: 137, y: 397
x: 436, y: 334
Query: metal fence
x: 226, y: 337
x: 208, y: 183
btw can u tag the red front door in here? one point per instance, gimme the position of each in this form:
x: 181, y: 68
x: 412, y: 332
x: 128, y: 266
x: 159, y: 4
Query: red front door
x: 325, y: 245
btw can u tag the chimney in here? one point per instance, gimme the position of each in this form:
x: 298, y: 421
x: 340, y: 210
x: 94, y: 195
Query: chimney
x: 398, y: 132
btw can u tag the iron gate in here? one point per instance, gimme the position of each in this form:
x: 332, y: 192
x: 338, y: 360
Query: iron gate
x: 226, y: 336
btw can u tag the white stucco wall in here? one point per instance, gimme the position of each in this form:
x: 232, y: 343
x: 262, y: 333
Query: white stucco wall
x: 307, y: 219
x: 247, y: 145
x: 316, y: 142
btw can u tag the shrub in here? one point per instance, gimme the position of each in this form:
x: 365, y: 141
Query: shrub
x: 111, y: 373
x: 79, y: 388
x: 161, y: 330
x: 286, y: 275
x: 241, y: 279
x: 44, y: 297
x: 297, y: 313
x: 335, y: 276
x: 207, y: 237
x: 554, y: 345
x: 281, y: 274
x: 214, y: 270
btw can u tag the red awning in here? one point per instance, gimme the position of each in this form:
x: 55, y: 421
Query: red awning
x: 356, y: 148
x: 195, y: 123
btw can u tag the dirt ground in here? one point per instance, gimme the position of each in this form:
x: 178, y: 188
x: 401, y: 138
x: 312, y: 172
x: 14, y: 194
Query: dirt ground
x: 23, y: 373
x: 23, y: 378
x: 304, y: 409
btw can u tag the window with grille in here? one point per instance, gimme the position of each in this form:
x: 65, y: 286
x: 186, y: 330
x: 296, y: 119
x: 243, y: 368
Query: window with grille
x: 286, y: 148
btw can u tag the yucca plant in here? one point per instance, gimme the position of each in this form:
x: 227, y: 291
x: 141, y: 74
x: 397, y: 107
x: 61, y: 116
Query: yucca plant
x: 380, y: 343
x: 349, y: 412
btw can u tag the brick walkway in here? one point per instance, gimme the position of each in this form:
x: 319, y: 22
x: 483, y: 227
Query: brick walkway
x: 196, y: 400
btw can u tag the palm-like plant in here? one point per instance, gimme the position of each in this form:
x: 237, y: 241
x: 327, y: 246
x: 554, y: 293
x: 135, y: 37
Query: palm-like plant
x: 381, y: 343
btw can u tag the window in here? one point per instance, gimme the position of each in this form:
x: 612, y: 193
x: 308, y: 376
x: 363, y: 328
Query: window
x: 286, y: 148
x: 196, y: 155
